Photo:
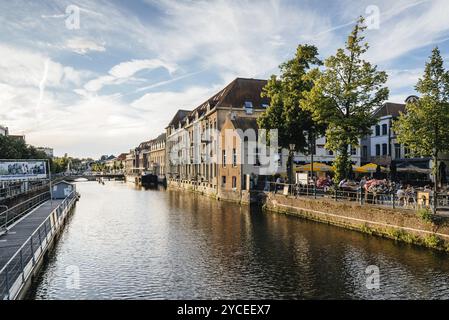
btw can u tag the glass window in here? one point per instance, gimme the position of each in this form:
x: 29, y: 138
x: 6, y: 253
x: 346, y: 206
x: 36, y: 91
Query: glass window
x: 377, y: 149
x: 248, y: 107
x: 224, y: 158
x: 377, y: 130
x: 397, y: 151
x: 234, y: 157
x: 384, y: 149
x: 353, y: 151
x: 234, y: 182
x: 223, y: 181
x: 384, y: 129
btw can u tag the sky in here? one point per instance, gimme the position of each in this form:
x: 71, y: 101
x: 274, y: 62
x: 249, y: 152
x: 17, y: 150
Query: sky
x: 116, y: 78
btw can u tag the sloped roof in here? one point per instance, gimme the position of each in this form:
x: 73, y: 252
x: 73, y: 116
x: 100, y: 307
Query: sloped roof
x: 245, y: 123
x: 122, y: 156
x: 179, y: 116
x: 390, y: 109
x: 234, y: 95
x: 160, y: 137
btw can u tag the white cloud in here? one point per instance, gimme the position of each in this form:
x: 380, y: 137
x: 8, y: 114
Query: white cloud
x: 129, y: 68
x: 404, y: 31
x: 241, y: 38
x: 403, y: 79
x: 83, y: 46
x: 124, y: 71
x: 22, y: 67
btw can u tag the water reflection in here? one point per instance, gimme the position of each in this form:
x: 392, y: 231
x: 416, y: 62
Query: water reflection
x: 130, y: 244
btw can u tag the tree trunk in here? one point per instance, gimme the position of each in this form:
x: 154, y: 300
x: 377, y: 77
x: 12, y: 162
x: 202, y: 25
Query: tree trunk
x: 290, y: 167
x: 435, y: 178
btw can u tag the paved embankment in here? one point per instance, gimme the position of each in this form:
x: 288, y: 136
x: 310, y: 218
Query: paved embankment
x: 399, y: 224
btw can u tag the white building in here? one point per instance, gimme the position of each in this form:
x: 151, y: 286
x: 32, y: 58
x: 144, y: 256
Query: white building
x: 323, y: 155
x: 47, y: 151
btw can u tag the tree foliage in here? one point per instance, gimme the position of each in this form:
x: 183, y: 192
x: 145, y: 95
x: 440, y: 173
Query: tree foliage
x: 424, y: 127
x: 13, y: 148
x: 285, y: 93
x: 344, y: 95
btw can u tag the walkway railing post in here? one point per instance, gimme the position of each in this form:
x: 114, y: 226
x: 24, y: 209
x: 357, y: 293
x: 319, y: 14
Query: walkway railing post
x: 40, y: 239
x: 21, y: 266
x: 32, y: 250
x: 7, y: 283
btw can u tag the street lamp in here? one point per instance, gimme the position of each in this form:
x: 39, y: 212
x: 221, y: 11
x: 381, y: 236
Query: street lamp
x: 292, y: 149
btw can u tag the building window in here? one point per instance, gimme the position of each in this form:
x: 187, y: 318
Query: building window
x: 377, y: 149
x: 397, y: 151
x: 384, y: 129
x: 248, y: 107
x: 384, y: 149
x: 365, y: 152
x: 330, y: 152
x: 234, y: 157
x: 353, y: 151
x: 223, y: 181
x: 377, y: 130
x: 234, y: 182
x: 224, y: 158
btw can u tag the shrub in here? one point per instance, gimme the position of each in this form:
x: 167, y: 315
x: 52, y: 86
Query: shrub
x: 425, y: 215
x: 432, y: 241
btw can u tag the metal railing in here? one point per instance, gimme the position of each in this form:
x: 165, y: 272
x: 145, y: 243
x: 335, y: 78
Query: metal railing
x: 12, y: 214
x: 386, y: 198
x: 16, y: 188
x: 16, y: 272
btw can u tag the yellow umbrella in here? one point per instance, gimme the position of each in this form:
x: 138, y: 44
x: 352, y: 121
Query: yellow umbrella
x: 369, y: 168
x: 317, y: 166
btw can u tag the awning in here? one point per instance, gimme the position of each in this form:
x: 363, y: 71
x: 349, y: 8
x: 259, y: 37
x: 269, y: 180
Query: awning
x: 317, y: 167
x: 412, y: 168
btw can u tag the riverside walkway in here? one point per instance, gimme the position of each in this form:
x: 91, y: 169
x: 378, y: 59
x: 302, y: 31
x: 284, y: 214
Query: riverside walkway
x: 23, y: 247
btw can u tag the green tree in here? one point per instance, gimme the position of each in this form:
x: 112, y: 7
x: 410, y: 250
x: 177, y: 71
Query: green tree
x: 343, y: 97
x: 424, y: 127
x: 295, y: 125
x: 13, y: 148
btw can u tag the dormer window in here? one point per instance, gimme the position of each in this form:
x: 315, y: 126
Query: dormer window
x: 248, y: 107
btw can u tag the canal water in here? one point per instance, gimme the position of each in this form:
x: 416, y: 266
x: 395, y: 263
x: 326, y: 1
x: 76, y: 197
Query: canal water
x: 129, y: 243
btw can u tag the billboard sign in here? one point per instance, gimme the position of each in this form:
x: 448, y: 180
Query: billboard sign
x: 22, y: 169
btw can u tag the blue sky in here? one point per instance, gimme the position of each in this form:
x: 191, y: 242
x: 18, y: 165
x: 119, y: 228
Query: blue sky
x: 120, y: 77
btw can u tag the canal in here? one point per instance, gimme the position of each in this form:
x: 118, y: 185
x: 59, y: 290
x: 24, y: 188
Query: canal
x: 127, y: 243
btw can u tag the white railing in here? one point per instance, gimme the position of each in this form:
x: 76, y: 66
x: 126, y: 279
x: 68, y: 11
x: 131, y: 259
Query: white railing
x: 17, y: 271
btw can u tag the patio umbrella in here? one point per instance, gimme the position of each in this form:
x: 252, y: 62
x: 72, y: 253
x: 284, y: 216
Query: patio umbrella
x: 369, y: 168
x: 317, y: 167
